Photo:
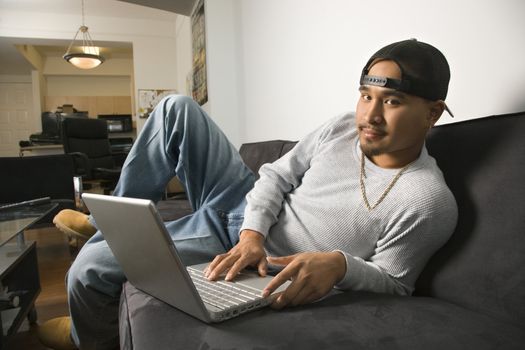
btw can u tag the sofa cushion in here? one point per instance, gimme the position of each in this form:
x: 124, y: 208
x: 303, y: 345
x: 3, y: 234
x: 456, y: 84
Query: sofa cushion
x: 344, y: 321
x: 481, y: 266
x: 255, y: 154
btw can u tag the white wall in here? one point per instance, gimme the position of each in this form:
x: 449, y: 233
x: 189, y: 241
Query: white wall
x: 155, y: 65
x: 183, y: 53
x: 299, y: 61
x: 87, y: 86
x: 224, y: 68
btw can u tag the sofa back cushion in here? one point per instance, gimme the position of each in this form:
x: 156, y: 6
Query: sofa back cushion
x: 481, y: 266
x: 256, y: 154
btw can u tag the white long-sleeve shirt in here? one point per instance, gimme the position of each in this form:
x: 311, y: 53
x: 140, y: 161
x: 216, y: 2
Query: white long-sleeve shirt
x: 310, y: 200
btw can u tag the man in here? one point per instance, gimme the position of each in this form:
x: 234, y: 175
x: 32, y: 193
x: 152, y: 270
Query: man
x: 357, y: 205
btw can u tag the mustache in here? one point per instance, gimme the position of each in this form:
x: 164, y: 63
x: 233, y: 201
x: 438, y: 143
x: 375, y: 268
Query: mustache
x: 373, y: 128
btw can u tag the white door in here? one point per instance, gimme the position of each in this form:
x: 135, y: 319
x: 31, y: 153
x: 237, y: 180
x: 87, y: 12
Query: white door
x: 16, y: 116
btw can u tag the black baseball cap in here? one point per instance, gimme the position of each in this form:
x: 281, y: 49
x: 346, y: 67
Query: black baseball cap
x: 424, y: 70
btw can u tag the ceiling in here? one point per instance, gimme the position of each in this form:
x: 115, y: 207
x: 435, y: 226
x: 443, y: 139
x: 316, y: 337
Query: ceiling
x: 182, y: 7
x: 13, y: 63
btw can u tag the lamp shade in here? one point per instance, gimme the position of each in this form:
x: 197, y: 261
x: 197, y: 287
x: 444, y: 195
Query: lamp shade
x: 84, y: 60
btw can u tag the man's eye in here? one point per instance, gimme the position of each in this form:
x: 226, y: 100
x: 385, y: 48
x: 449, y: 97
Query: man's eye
x: 366, y: 97
x: 393, y: 102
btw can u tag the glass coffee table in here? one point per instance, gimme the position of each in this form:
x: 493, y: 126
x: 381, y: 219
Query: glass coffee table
x: 19, y: 279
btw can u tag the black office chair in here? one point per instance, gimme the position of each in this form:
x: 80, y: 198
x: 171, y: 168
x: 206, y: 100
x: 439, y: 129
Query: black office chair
x: 87, y: 140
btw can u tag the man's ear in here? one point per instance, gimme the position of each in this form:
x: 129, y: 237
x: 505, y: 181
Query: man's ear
x: 436, y: 110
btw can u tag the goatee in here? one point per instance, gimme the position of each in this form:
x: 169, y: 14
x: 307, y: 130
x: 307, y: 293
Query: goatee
x: 371, y: 151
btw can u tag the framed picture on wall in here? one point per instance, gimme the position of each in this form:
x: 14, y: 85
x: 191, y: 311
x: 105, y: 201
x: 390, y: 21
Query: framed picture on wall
x: 148, y: 99
x: 198, y: 36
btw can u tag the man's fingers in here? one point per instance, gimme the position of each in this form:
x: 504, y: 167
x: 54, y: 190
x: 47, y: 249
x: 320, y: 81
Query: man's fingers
x: 213, y: 264
x: 225, y: 262
x: 279, y: 279
x: 297, y: 293
x: 289, y: 295
x: 282, y: 276
x: 233, y: 262
x: 262, y: 266
x: 235, y: 269
x: 281, y: 260
x: 241, y: 264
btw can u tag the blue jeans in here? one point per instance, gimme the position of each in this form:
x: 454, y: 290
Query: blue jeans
x: 178, y: 139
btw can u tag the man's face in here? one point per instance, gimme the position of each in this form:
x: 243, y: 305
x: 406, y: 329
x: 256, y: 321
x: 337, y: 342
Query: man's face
x: 392, y: 125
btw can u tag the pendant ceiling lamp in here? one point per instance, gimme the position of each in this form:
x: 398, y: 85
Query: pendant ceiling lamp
x: 88, y: 56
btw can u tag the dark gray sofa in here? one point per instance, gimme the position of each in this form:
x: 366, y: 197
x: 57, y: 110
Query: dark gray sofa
x: 471, y: 295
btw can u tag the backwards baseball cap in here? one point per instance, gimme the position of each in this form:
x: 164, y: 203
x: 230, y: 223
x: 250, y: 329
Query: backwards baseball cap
x: 424, y: 70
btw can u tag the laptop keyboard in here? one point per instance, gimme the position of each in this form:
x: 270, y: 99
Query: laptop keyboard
x: 222, y: 295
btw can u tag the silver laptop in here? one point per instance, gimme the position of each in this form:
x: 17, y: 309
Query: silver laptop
x: 141, y: 244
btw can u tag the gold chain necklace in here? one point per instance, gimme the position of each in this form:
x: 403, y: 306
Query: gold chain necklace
x: 362, y: 184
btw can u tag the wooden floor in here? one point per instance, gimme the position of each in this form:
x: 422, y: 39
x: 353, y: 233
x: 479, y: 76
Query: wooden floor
x: 54, y: 259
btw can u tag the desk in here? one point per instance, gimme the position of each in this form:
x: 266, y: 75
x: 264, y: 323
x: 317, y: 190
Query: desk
x: 41, y: 150
x: 119, y: 141
x: 19, y: 279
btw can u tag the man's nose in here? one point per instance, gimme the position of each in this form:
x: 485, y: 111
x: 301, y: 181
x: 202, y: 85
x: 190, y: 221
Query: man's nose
x: 374, y: 113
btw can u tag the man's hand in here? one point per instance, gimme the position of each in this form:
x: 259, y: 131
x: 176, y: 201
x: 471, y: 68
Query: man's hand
x: 248, y: 252
x: 313, y: 275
